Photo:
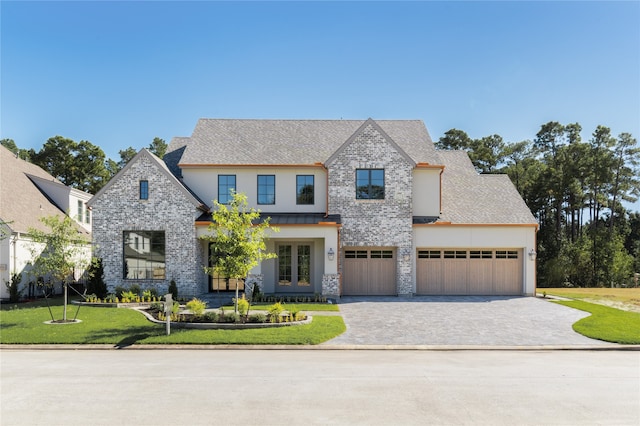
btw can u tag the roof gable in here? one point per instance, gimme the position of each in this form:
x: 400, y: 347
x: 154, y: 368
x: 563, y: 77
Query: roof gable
x: 358, y: 132
x: 162, y: 168
x: 22, y: 202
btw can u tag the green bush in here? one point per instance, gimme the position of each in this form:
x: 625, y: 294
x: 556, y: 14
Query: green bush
x: 95, y: 281
x: 196, y: 306
x: 243, y: 306
x: 232, y: 317
x: 14, y: 287
x: 211, y: 316
x: 274, y: 311
x: 110, y: 298
x: 119, y: 290
x: 135, y: 289
x: 258, y: 318
x: 173, y: 289
x: 128, y: 296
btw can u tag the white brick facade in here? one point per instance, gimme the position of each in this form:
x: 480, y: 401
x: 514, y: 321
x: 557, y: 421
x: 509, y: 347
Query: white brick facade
x: 119, y: 208
x: 375, y: 223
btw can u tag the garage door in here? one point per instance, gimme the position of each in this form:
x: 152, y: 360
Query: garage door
x: 469, y: 271
x: 369, y: 272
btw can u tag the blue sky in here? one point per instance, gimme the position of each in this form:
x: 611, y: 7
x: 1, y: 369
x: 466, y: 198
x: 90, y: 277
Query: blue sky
x: 120, y: 73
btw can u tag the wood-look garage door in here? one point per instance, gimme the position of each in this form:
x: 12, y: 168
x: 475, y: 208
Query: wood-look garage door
x: 471, y: 272
x: 367, y: 272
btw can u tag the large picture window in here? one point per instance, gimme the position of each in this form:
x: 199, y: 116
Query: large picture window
x: 370, y: 184
x: 266, y: 189
x: 144, y: 255
x: 304, y: 189
x: 226, y: 187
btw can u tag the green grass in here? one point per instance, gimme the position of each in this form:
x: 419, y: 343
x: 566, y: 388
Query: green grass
x: 626, y: 296
x: 608, y: 324
x: 24, y: 324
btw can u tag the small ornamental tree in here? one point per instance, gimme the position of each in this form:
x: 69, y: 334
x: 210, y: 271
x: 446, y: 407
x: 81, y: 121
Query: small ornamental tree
x: 59, y: 252
x: 238, y: 244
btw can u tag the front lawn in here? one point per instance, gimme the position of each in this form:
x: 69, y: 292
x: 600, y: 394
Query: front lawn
x: 24, y: 324
x: 627, y: 297
x: 605, y: 323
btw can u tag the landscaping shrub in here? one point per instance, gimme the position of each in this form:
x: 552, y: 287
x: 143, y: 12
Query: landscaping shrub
x: 211, y: 316
x: 135, y: 289
x: 173, y: 289
x: 196, y: 306
x: 119, y: 290
x: 258, y: 318
x: 243, y: 306
x: 14, y: 287
x: 274, y: 311
x: 95, y: 281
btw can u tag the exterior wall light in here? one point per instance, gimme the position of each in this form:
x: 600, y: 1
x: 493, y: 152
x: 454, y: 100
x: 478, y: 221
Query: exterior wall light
x: 331, y: 254
x: 532, y: 254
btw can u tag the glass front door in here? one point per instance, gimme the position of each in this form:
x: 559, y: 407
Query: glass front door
x: 294, y: 268
x: 218, y: 282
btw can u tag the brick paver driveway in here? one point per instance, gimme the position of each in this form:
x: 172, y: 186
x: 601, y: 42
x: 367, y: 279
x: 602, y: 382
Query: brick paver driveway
x: 459, y: 320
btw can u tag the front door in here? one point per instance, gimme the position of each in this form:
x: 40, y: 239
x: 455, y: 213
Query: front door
x: 218, y: 282
x: 294, y: 268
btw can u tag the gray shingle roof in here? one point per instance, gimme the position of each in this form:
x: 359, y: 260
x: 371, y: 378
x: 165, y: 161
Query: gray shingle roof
x: 21, y: 201
x: 274, y: 142
x: 470, y: 198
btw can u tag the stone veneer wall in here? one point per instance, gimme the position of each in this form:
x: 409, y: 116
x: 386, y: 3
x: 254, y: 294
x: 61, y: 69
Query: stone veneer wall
x: 168, y: 209
x: 375, y: 223
x: 331, y: 285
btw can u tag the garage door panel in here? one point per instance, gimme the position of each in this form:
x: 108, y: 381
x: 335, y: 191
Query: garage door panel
x: 430, y: 281
x: 470, y: 272
x: 455, y: 276
x: 369, y: 272
x: 480, y: 276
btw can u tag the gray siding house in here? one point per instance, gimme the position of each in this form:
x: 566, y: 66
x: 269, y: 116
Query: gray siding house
x: 364, y: 207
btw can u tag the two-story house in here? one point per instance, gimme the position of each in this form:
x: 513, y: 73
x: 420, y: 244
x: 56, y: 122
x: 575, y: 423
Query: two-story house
x: 28, y: 193
x: 363, y: 207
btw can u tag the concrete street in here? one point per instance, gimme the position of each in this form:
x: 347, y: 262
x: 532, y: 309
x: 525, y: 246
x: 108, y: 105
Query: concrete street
x: 313, y: 386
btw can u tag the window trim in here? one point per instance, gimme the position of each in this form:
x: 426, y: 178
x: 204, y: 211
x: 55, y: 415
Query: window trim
x: 259, y: 193
x: 369, y: 185
x: 235, y: 182
x: 313, y: 190
x: 143, y: 189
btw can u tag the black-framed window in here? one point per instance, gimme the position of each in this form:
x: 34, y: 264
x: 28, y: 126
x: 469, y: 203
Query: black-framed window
x: 144, y: 189
x: 304, y: 189
x: 143, y: 254
x: 226, y: 187
x: 266, y: 189
x: 370, y: 184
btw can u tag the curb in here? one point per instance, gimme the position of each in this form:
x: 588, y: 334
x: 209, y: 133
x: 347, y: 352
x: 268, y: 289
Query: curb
x: 612, y: 347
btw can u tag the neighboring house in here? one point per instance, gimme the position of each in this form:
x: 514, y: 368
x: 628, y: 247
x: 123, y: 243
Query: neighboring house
x: 364, y: 208
x: 28, y: 193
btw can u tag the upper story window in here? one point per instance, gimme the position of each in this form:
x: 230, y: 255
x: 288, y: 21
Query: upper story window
x: 370, y: 184
x: 144, y: 189
x: 80, y: 211
x: 226, y: 187
x: 266, y: 189
x: 304, y: 189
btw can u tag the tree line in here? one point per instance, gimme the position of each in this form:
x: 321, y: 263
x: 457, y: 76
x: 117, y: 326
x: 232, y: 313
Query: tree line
x: 81, y: 165
x: 576, y: 190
